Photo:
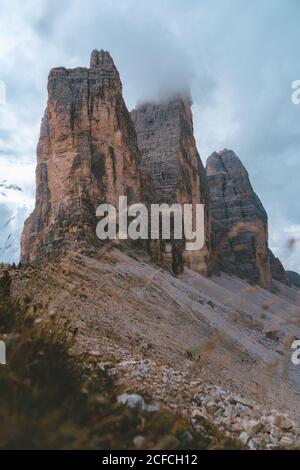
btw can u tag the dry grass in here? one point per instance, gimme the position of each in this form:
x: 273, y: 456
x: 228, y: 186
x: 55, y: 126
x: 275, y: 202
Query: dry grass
x: 49, y: 400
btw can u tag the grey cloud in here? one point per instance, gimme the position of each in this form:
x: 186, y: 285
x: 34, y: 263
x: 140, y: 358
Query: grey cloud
x: 239, y: 59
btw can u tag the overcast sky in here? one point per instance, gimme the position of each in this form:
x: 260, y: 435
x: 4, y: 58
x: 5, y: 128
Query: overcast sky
x: 238, y: 58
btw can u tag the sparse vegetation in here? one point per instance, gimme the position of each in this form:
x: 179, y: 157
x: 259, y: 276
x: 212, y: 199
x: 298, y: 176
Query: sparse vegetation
x: 50, y: 401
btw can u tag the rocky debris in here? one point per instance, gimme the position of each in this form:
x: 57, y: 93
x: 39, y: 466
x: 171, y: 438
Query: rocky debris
x: 254, y: 426
x: 131, y: 306
x: 233, y: 415
x: 283, y: 422
x: 244, y: 437
x: 286, y: 441
x: 294, y: 278
x: 87, y: 154
x: 239, y: 220
x: 169, y: 155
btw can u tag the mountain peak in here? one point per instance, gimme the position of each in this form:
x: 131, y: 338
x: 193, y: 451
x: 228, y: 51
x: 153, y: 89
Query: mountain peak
x: 87, y: 125
x: 101, y: 58
x: 239, y: 220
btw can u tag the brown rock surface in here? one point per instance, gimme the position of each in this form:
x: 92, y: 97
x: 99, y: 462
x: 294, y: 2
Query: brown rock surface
x: 87, y: 154
x: 239, y: 220
x: 169, y: 155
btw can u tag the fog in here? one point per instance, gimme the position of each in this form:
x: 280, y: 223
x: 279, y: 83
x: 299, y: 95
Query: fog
x: 238, y: 59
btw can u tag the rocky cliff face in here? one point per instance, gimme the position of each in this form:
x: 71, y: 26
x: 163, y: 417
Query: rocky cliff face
x: 169, y: 155
x: 92, y: 151
x: 239, y: 220
x: 277, y: 270
x: 87, y: 154
x: 294, y: 278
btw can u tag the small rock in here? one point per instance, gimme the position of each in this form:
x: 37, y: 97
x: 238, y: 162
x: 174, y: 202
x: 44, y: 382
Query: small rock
x: 51, y: 311
x: 265, y: 437
x: 136, y: 401
x: 196, y: 414
x: 252, y: 426
x: 152, y: 408
x: 228, y: 410
x: 95, y: 353
x: 227, y: 422
x: 139, y: 441
x: 194, y: 384
x: 241, y: 410
x: 198, y: 398
x: 244, y: 437
x: 286, y: 441
x: 238, y: 427
x: 132, y: 400
x: 234, y: 399
x: 270, y: 419
x: 187, y: 438
x: 211, y: 406
x: 200, y: 429
x: 251, y: 444
x: 275, y: 433
x: 283, y: 422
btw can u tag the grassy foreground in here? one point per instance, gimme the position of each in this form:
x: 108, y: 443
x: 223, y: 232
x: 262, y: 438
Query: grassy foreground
x: 50, y: 401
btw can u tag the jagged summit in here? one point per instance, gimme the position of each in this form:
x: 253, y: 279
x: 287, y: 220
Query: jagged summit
x: 239, y: 220
x: 166, y: 140
x: 277, y: 270
x: 162, y: 129
x: 102, y: 73
x: 240, y: 223
x: 87, y: 154
x: 225, y: 158
x: 101, y: 59
x: 226, y: 162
